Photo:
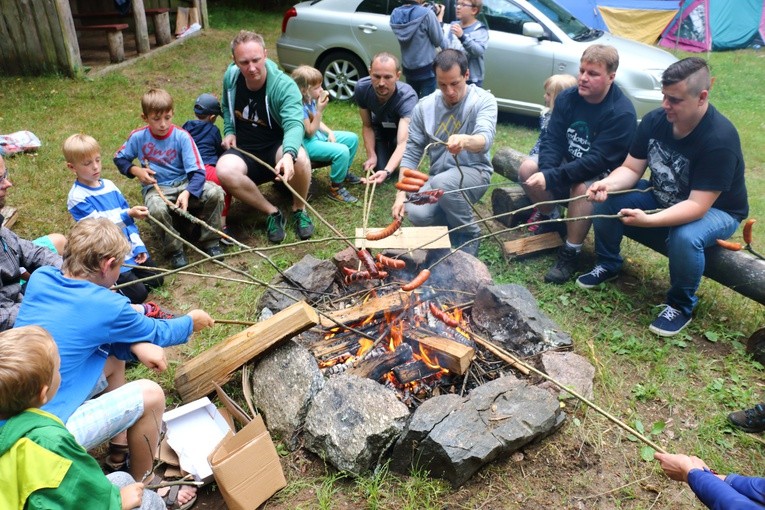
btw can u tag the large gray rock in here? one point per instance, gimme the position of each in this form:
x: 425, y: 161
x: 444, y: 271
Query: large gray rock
x: 312, y: 277
x: 452, y: 437
x: 459, y: 272
x: 509, y: 315
x: 283, y: 383
x: 571, y: 370
x: 353, y: 422
x: 507, y: 161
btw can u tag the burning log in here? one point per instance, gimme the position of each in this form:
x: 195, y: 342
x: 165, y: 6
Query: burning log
x: 194, y: 379
x: 337, y: 344
x: 451, y: 355
x: 375, y: 368
x: 414, y: 371
x: 375, y: 307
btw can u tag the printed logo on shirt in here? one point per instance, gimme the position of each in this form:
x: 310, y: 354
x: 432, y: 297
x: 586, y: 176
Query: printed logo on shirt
x: 250, y: 114
x: 448, y: 127
x: 152, y: 153
x: 578, y: 136
x: 670, y: 173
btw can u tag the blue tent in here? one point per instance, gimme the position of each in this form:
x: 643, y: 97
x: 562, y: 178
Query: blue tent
x: 642, y: 20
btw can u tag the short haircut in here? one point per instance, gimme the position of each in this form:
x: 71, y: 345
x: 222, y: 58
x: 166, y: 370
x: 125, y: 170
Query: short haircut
x: 27, y: 361
x: 80, y: 146
x: 156, y: 101
x: 245, y: 36
x: 306, y: 77
x: 556, y: 84
x: 693, y: 69
x: 383, y: 56
x: 602, y: 54
x: 449, y: 58
x: 90, y: 241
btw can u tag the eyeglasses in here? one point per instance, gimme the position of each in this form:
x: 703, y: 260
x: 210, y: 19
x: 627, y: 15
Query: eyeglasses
x: 459, y: 4
x: 4, y: 178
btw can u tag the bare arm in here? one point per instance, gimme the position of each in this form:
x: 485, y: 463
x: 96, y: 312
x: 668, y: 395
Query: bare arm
x: 694, y: 207
x: 368, y: 135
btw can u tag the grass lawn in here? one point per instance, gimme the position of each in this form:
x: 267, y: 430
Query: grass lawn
x: 679, y: 390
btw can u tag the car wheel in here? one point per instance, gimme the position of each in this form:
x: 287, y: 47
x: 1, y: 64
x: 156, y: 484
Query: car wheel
x: 341, y: 71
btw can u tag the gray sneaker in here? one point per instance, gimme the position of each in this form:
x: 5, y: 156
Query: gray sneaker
x: 275, y: 227
x: 564, y: 267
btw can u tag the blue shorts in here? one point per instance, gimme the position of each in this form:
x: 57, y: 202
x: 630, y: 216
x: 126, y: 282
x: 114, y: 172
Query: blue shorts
x: 99, y: 419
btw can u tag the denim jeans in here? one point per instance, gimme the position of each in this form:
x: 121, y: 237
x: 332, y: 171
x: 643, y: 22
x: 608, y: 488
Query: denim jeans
x: 685, y: 243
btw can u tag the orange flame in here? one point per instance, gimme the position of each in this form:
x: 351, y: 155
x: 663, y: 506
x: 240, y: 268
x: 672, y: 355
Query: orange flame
x: 365, y: 344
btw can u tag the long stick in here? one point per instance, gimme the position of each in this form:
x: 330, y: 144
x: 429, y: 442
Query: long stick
x: 507, y: 356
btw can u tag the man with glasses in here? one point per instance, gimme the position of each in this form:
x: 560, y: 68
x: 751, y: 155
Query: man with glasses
x: 697, y: 175
x: 18, y: 254
x: 468, y: 34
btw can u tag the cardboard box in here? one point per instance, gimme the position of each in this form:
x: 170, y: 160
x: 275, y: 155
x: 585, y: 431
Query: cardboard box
x: 194, y: 431
x: 246, y: 467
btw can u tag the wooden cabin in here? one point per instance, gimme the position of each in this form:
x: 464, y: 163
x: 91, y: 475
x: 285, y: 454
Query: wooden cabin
x: 60, y: 36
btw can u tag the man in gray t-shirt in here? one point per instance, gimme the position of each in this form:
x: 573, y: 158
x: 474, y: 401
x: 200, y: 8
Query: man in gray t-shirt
x: 456, y: 124
x: 385, y: 105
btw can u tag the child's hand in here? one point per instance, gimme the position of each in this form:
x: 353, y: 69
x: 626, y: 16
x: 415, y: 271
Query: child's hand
x: 323, y: 100
x: 331, y: 136
x: 143, y: 174
x: 131, y: 496
x: 151, y: 355
x: 457, y: 30
x: 201, y: 319
x: 141, y: 257
x: 183, y: 200
x: 138, y: 212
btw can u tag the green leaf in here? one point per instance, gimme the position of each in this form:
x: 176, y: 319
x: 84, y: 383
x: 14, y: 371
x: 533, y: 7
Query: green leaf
x: 711, y: 336
x: 632, y: 438
x: 646, y: 453
x: 639, y: 426
x: 658, y: 427
x: 577, y: 423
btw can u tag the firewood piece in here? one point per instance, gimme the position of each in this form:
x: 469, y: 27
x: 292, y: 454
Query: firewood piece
x: 407, y: 238
x: 375, y: 368
x: 533, y: 244
x: 332, y: 346
x: 414, y: 371
x: 10, y: 214
x: 507, y: 162
x: 451, y: 355
x: 505, y: 200
x: 393, y: 302
x: 194, y: 378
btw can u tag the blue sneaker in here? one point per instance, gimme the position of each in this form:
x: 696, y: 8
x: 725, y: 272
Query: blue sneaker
x: 598, y: 275
x: 670, y: 321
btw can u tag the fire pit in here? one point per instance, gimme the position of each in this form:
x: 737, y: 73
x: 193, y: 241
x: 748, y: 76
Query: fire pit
x: 402, y: 378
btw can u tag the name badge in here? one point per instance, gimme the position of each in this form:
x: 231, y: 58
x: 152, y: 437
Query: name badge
x: 389, y: 125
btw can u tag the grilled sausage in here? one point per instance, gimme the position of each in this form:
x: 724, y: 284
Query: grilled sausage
x: 748, y: 230
x: 728, y: 245
x: 443, y: 316
x: 389, y: 262
x: 407, y: 187
x: 408, y: 172
x: 418, y: 280
x: 386, y: 232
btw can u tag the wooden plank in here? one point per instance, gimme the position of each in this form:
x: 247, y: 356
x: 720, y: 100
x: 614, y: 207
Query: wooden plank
x: 407, y: 238
x: 34, y: 43
x: 533, y: 244
x: 10, y: 64
x: 375, y: 306
x: 195, y: 378
x: 10, y: 215
x: 12, y: 16
x: 451, y: 355
x: 201, y: 6
x: 71, y: 45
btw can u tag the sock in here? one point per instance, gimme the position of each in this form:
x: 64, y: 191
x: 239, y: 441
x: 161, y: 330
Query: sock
x: 577, y: 247
x: 555, y: 214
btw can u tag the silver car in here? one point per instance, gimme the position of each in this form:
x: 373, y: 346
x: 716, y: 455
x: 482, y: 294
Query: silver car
x: 529, y: 40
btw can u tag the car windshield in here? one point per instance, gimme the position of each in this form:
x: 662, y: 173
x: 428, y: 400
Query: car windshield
x: 566, y: 21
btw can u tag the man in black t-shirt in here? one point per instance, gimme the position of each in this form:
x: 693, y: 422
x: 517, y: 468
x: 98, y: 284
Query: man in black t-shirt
x: 697, y: 174
x: 263, y: 115
x: 385, y: 105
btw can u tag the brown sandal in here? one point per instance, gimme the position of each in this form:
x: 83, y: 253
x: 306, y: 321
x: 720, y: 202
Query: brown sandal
x: 169, y: 494
x: 118, y: 457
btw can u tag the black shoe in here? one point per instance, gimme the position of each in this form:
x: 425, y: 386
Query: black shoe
x: 749, y: 420
x: 214, y: 250
x: 303, y: 224
x: 275, y: 227
x: 223, y: 240
x: 564, y: 267
x: 178, y: 260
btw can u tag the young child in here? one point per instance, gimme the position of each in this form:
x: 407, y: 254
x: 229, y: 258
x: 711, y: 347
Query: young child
x: 174, y: 164
x: 209, y: 142
x: 469, y: 35
x: 553, y: 86
x: 96, y: 331
x: 92, y: 196
x: 320, y: 142
x: 40, y: 459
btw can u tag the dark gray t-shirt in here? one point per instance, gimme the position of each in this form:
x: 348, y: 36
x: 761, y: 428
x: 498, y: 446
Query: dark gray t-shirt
x: 385, y: 116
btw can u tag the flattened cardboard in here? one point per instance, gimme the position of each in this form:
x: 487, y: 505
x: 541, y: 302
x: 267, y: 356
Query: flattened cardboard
x: 246, y: 467
x: 193, y: 432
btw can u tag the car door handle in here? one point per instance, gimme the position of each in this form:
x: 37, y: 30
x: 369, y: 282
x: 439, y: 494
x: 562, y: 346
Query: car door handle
x: 368, y: 28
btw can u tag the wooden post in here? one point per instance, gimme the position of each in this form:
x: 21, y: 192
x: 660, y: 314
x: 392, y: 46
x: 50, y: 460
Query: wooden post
x: 162, y: 28
x: 194, y: 379
x: 141, y: 28
x: 116, y: 46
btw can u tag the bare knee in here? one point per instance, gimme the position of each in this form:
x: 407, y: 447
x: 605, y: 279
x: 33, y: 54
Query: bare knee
x: 153, y: 395
x: 59, y: 242
x: 229, y: 167
x: 528, y: 168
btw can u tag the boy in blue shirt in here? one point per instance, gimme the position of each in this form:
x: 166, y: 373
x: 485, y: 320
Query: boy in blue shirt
x: 174, y: 164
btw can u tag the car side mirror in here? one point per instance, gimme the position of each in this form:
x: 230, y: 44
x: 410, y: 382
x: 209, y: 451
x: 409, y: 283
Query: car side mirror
x: 533, y: 29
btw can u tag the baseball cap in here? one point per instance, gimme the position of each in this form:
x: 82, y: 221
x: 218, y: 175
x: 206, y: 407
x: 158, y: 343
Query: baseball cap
x: 207, y: 104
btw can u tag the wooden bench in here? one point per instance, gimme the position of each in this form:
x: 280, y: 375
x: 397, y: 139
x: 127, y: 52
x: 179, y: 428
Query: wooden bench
x: 160, y: 17
x: 113, y: 37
